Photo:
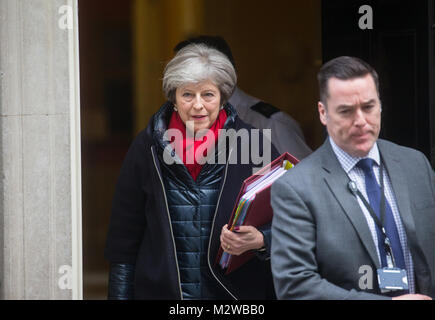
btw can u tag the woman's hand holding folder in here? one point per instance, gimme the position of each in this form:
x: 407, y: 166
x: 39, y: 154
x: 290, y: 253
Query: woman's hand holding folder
x: 251, y: 213
x: 242, y: 239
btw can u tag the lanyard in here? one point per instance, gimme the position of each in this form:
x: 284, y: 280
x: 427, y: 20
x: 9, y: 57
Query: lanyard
x: 380, y: 223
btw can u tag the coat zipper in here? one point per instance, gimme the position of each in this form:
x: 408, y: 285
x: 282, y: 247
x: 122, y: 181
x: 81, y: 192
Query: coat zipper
x: 212, y: 227
x: 170, y: 223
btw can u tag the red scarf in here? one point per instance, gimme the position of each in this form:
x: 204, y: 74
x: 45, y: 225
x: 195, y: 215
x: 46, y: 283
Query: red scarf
x: 193, y: 166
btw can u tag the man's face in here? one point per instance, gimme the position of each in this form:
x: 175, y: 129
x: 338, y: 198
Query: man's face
x: 352, y: 114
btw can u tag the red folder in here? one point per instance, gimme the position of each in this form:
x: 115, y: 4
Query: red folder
x: 259, y: 212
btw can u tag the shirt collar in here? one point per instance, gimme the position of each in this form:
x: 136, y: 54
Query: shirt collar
x: 347, y: 161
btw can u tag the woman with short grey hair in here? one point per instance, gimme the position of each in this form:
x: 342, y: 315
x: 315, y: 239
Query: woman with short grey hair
x: 171, y: 207
x: 196, y: 63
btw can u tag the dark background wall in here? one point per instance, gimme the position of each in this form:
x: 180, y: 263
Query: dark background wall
x: 401, y: 48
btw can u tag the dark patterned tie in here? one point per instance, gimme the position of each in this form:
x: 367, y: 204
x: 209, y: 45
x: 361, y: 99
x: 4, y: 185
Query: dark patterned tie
x: 374, y: 194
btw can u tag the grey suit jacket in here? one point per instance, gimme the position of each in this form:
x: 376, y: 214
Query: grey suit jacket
x: 321, y: 243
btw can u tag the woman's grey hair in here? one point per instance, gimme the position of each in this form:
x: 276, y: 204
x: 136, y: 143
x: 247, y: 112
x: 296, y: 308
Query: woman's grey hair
x: 195, y: 63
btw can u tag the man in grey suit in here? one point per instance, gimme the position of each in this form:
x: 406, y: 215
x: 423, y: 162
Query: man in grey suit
x: 331, y: 234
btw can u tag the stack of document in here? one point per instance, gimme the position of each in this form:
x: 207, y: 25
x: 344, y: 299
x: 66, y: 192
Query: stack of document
x: 253, y: 204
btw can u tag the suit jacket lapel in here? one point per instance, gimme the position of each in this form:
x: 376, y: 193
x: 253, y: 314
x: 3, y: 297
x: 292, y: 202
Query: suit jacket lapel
x: 400, y: 187
x: 337, y: 181
x: 401, y: 192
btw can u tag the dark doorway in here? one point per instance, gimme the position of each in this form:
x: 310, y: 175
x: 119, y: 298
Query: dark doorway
x: 106, y: 76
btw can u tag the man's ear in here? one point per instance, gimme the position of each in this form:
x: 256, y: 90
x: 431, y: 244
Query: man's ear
x: 322, y: 113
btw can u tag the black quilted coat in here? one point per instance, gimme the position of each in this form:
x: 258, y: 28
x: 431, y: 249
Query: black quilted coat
x: 147, y: 246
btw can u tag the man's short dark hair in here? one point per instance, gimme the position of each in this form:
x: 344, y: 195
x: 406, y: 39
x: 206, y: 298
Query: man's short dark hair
x: 344, y: 68
x: 215, y: 42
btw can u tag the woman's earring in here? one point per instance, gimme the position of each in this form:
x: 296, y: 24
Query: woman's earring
x: 175, y: 109
x: 222, y: 106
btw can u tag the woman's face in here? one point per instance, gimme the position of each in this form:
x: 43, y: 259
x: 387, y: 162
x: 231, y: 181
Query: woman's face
x: 198, y: 104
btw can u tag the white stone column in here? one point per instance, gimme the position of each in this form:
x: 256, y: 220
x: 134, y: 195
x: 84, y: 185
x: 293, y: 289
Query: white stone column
x: 40, y: 187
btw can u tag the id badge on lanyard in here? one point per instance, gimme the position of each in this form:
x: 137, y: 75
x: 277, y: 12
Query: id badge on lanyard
x: 390, y: 278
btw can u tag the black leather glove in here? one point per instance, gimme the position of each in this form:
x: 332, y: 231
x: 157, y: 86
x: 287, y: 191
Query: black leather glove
x: 121, y: 281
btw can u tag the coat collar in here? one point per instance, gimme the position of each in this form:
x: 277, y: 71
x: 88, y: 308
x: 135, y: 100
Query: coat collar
x: 157, y: 130
x: 160, y: 121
